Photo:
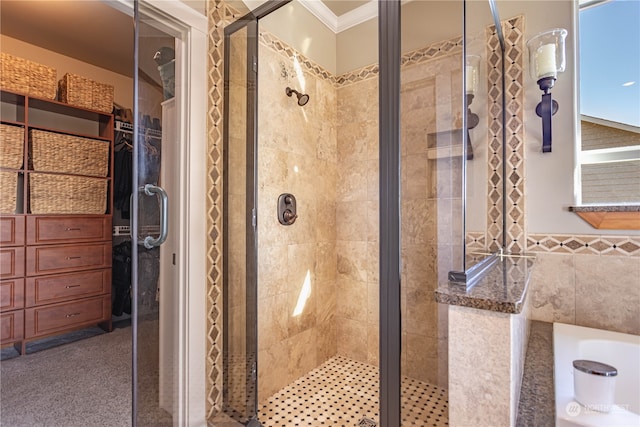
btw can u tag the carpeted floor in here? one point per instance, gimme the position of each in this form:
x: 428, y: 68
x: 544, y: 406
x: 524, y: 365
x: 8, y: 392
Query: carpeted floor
x: 84, y: 383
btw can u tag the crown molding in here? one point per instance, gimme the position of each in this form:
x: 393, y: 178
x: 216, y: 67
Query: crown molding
x: 322, y: 12
x: 358, y: 16
x: 336, y: 24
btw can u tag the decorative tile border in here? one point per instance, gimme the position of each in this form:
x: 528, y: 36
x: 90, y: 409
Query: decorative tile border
x: 312, y: 67
x: 418, y: 56
x: 585, y: 244
x: 219, y: 15
x: 513, y: 30
x: 476, y: 240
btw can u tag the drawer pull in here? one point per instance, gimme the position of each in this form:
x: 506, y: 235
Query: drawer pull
x: 73, y: 315
x: 72, y: 286
x: 73, y: 257
x: 73, y: 229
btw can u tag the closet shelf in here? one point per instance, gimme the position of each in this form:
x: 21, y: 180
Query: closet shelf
x: 121, y: 126
x: 125, y: 230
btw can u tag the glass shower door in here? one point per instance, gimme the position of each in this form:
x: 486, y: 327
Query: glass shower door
x: 240, y: 279
x: 153, y: 219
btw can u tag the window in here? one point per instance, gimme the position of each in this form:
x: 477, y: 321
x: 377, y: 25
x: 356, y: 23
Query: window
x: 610, y: 101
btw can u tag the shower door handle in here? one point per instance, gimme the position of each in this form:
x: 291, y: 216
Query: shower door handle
x: 151, y: 190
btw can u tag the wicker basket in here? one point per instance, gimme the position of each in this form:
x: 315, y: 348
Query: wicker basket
x: 76, y: 90
x: 8, y: 192
x: 42, y: 81
x: 102, y: 97
x: 24, y: 76
x: 12, y: 143
x: 57, y: 152
x: 64, y: 194
x: 84, y: 92
x: 14, y: 73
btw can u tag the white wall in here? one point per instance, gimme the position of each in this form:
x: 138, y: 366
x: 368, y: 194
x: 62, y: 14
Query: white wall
x: 549, y: 177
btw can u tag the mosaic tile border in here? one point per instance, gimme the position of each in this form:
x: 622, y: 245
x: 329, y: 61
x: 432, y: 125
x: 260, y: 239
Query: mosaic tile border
x: 513, y: 30
x: 476, y: 240
x: 418, y: 56
x: 584, y: 244
x: 219, y: 15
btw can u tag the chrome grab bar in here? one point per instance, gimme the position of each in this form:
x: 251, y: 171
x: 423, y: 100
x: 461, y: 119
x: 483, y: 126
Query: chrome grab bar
x: 151, y: 190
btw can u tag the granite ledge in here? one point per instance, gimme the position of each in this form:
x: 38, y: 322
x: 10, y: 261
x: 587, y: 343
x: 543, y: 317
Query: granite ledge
x: 605, y: 208
x: 503, y: 289
x: 537, y: 394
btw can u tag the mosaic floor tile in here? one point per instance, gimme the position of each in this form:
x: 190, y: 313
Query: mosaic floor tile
x: 343, y: 392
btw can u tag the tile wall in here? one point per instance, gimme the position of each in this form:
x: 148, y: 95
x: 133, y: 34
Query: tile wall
x: 297, y: 264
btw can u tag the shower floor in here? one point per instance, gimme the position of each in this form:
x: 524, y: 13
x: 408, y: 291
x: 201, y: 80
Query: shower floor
x: 341, y: 392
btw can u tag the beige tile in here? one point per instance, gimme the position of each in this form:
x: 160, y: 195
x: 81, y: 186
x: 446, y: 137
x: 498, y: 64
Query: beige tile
x: 273, y: 270
x: 326, y: 341
x: 351, y: 299
x: 418, y: 263
x: 302, y: 356
x: 352, y: 143
x: 373, y: 344
x: 422, y: 357
x: 273, y: 373
x: 373, y: 263
x: 352, y: 182
x: 326, y: 297
x: 373, y: 221
x: 414, y: 176
x: 325, y: 226
x: 302, y: 293
x: 607, y: 293
x: 352, y: 260
x: 373, y: 180
x: 326, y: 261
x: 351, y: 218
x: 416, y: 224
x: 422, y: 312
x: 272, y: 321
x: 552, y: 288
x: 373, y: 303
x: 352, y: 340
x: 479, y: 367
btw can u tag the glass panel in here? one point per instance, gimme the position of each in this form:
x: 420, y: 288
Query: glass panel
x: 317, y: 278
x: 155, y: 292
x: 432, y: 157
x: 238, y: 381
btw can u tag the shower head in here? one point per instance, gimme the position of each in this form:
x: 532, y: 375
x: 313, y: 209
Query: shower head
x: 303, y: 98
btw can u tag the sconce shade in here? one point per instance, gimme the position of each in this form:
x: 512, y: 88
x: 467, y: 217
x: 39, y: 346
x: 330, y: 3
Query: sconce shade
x: 546, y: 54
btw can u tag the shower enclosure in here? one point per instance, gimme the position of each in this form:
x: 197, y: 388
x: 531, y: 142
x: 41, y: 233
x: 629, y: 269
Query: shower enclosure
x: 344, y: 208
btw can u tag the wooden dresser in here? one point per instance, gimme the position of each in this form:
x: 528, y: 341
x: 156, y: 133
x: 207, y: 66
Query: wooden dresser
x: 55, y: 273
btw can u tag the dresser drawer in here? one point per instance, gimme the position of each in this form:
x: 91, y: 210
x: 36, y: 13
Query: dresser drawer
x: 11, y: 326
x: 41, y: 321
x: 11, y: 294
x: 43, y: 230
x: 11, y: 230
x: 65, y: 287
x: 11, y: 262
x: 61, y: 259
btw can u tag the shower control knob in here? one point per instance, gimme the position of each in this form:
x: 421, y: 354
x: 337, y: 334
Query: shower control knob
x: 287, y: 209
x: 289, y: 217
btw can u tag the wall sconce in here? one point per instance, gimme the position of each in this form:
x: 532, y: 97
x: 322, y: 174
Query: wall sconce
x: 546, y: 60
x: 472, y: 65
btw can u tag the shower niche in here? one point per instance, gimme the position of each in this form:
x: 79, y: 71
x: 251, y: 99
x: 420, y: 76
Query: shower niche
x: 302, y: 313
